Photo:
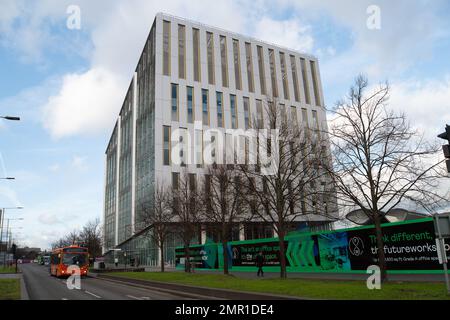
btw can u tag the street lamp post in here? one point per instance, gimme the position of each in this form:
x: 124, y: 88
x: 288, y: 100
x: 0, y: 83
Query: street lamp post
x: 2, y: 219
x: 8, y: 231
x: 10, y: 118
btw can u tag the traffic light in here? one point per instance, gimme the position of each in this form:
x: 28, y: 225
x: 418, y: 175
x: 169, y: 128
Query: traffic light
x: 446, y: 148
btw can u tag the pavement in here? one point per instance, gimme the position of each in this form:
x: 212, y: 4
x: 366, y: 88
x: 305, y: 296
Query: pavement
x: 425, y: 277
x: 435, y: 277
x: 41, y: 286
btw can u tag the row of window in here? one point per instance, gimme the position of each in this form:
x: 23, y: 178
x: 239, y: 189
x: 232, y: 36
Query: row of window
x: 175, y: 115
x: 210, y: 55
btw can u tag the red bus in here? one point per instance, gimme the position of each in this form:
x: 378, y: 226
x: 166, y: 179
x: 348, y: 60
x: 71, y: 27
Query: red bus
x: 62, y: 258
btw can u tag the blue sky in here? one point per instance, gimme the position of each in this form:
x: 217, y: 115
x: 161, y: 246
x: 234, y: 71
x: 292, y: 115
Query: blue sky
x: 68, y: 85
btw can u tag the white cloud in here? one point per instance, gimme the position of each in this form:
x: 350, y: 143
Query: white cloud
x: 288, y: 33
x: 79, y: 163
x: 87, y: 103
x: 426, y: 103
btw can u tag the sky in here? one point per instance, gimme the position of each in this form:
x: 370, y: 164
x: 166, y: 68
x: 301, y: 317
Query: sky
x: 67, y: 84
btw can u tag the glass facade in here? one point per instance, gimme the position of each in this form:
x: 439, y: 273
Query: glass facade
x: 248, y: 58
x: 294, y: 78
x: 166, y: 145
x: 210, y: 56
x: 205, y: 107
x: 273, y: 73
x: 284, y: 76
x: 196, y: 53
x: 125, y: 167
x: 234, y: 122
x: 237, y: 64
x: 259, y: 114
x: 190, y: 104
x: 181, y: 51
x: 246, y: 113
x: 305, y: 81
x: 262, y: 74
x: 315, y: 84
x: 110, y: 191
x: 145, y: 128
x: 166, y: 48
x: 219, y: 101
x: 224, y: 60
x: 174, y: 101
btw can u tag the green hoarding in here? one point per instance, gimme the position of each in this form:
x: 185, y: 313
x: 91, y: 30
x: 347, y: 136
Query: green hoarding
x: 409, y: 248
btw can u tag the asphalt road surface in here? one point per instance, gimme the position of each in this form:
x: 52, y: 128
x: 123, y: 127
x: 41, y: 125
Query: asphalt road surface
x: 41, y: 286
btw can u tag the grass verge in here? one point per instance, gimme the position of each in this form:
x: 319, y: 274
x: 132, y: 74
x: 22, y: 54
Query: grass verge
x: 305, y: 288
x: 7, y: 270
x: 9, y: 289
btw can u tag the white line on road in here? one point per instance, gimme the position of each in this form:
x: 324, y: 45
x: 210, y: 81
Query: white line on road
x: 64, y: 299
x: 92, y: 294
x: 133, y: 297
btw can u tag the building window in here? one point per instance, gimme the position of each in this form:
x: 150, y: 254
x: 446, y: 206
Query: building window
x: 181, y: 51
x: 210, y: 54
x: 174, y: 101
x: 196, y: 53
x: 175, y: 180
x: 273, y: 73
x: 305, y: 81
x: 259, y: 114
x: 305, y: 118
x: 294, y: 78
x: 223, y: 60
x: 315, y: 83
x: 190, y: 104
x: 199, y: 148
x: 166, y: 145
x: 166, y: 48
x: 284, y: 76
x: 183, y: 143
x: 205, y: 107
x: 294, y: 115
x: 246, y: 113
x: 262, y: 74
x: 219, y: 98
x: 237, y: 64
x: 248, y: 58
x: 233, y: 111
x: 315, y: 120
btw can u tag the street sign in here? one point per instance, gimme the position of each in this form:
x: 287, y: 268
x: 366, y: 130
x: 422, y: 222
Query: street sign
x: 442, y: 225
x: 440, y: 247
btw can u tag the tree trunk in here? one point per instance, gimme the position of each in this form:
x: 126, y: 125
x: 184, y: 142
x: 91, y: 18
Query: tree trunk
x: 187, y: 263
x: 225, y: 256
x: 380, y: 246
x: 283, y: 274
x: 225, y: 249
x: 162, y: 256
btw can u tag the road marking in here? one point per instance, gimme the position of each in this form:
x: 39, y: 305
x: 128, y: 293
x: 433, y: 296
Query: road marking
x: 92, y: 294
x: 133, y: 297
x: 64, y: 299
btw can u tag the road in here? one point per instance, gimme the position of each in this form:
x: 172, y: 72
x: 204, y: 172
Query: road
x: 41, y: 286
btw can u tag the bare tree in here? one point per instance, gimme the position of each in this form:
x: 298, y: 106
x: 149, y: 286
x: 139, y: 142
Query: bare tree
x: 185, y: 210
x: 91, y: 237
x: 222, y: 203
x: 379, y: 160
x: 285, y: 190
x: 158, y: 216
